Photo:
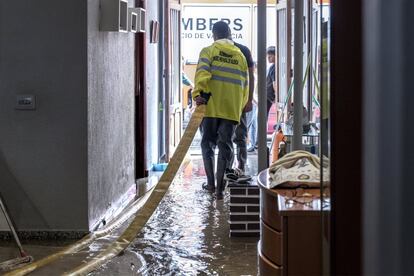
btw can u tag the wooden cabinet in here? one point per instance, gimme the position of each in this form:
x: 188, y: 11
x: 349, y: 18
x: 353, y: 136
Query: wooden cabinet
x: 290, y: 231
x: 267, y: 267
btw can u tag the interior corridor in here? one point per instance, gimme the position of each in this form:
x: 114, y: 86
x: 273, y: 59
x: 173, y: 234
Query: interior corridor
x: 188, y: 234
x: 95, y: 100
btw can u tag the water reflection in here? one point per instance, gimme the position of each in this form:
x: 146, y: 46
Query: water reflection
x: 189, y: 234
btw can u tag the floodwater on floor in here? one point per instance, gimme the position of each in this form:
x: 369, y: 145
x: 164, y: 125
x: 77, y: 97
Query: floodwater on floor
x: 188, y: 235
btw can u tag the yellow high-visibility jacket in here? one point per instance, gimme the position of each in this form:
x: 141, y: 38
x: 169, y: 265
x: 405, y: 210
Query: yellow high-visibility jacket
x: 222, y: 71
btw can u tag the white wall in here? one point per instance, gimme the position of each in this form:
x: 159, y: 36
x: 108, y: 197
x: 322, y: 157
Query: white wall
x: 152, y: 87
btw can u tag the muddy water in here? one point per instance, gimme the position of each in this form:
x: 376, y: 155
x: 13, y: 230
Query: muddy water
x: 188, y: 235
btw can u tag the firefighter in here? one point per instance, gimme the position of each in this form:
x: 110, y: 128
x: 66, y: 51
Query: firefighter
x: 221, y: 82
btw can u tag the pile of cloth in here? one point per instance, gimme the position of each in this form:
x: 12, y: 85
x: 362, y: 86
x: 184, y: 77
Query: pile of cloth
x: 298, y: 169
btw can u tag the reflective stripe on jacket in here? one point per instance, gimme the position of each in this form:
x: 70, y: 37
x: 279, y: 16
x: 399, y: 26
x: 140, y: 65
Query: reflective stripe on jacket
x: 222, y: 71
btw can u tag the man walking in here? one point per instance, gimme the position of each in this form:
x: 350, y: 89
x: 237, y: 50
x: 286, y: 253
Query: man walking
x: 221, y: 82
x: 240, y: 135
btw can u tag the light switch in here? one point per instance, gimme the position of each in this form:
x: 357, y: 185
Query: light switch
x: 25, y: 102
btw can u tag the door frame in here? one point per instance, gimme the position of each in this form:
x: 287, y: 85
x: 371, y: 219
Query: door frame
x: 346, y: 158
x: 140, y: 102
x: 169, y: 4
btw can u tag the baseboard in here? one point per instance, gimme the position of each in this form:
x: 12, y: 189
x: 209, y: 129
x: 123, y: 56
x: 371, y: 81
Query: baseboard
x: 44, y: 235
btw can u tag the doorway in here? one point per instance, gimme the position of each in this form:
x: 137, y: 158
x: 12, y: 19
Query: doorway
x: 140, y: 103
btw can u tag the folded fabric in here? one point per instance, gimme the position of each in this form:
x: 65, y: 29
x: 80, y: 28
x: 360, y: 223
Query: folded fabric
x: 298, y: 169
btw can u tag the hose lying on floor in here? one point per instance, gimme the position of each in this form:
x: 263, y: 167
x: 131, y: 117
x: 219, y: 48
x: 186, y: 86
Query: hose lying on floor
x: 142, y: 215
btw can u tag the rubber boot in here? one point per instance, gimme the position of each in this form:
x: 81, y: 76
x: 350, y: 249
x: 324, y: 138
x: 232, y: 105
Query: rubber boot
x: 209, y: 168
x: 221, y: 168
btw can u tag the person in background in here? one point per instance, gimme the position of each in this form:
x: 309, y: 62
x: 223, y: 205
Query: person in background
x: 221, y: 81
x: 271, y: 78
x: 270, y: 82
x: 241, y: 132
x: 186, y: 81
x: 252, y: 118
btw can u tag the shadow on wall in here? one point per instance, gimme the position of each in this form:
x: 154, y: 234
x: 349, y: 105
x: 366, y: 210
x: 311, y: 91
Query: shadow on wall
x: 18, y: 202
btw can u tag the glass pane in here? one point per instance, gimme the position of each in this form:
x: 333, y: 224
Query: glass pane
x: 325, y: 21
x: 282, y: 55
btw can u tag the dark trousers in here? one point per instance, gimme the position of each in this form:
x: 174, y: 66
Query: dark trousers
x: 269, y: 105
x: 217, y: 132
x: 240, y: 139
